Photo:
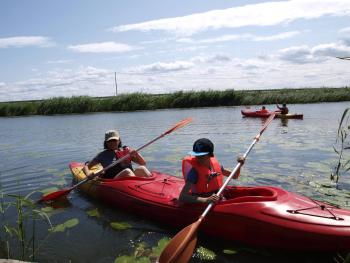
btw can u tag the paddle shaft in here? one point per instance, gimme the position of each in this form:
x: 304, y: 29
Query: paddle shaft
x: 238, y: 166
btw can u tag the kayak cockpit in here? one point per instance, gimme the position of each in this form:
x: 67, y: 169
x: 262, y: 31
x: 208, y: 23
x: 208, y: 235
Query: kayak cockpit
x: 249, y: 194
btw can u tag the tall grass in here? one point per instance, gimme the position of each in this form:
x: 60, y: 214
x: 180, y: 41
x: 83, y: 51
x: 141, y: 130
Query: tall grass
x: 342, y: 147
x: 181, y: 99
x: 19, y: 235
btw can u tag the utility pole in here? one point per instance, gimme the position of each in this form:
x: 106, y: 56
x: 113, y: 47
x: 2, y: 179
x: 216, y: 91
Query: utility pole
x: 116, y: 85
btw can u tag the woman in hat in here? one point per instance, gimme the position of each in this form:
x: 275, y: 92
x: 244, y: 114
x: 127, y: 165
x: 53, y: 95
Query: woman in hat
x: 203, y: 174
x: 113, y: 150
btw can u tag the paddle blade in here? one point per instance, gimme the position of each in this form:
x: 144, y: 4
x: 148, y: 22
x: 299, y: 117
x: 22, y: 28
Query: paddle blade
x: 181, y: 247
x: 55, y: 195
x: 179, y: 125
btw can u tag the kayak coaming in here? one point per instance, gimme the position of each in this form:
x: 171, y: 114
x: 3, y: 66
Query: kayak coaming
x: 267, y: 113
x: 255, y: 220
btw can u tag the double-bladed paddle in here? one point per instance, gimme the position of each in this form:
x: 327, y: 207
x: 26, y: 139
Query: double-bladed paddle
x: 57, y: 194
x: 181, y: 247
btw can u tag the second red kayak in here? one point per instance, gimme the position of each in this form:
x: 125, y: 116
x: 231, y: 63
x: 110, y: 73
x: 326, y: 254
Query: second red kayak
x: 267, y: 113
x: 262, y: 216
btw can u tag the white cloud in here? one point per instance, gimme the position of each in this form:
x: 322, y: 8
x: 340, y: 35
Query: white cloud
x: 304, y: 54
x: 345, y: 31
x: 226, y: 38
x: 25, y: 41
x: 345, y: 35
x: 104, y: 47
x: 161, y: 67
x: 263, y: 14
x: 216, y: 58
x: 280, y: 36
x: 169, y: 77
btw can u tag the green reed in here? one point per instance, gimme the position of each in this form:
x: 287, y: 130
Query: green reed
x: 20, y: 232
x: 180, y: 99
x: 341, y: 147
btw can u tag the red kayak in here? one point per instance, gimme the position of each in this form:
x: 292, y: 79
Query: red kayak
x: 267, y: 113
x: 260, y: 216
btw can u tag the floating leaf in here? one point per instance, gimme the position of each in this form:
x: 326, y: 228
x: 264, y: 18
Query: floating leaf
x: 93, y: 212
x: 230, y: 251
x: 58, y: 228
x: 120, y: 225
x: 68, y: 224
x: 156, y: 251
x: 71, y: 222
x: 205, y: 254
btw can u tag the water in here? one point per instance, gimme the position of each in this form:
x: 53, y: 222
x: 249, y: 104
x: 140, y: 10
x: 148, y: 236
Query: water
x: 35, y: 151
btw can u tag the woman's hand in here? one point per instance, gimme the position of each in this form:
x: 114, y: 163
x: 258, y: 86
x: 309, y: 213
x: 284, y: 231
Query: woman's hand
x: 241, y: 159
x: 212, y: 199
x: 133, y: 153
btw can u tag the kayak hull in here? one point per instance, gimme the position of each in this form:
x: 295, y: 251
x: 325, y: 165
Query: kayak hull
x: 259, y: 216
x: 267, y: 113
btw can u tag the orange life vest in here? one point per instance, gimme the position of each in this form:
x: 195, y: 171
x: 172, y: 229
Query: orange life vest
x: 209, y: 181
x: 121, y: 153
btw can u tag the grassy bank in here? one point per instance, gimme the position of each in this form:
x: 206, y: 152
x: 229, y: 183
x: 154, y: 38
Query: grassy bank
x: 141, y: 101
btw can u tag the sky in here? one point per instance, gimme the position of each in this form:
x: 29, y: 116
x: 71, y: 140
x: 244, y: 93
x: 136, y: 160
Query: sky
x: 84, y: 47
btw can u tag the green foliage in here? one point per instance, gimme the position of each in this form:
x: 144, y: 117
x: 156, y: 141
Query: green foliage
x: 180, y: 99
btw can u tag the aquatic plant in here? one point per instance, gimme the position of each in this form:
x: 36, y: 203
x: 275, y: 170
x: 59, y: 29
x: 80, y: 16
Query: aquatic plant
x: 22, y: 230
x: 341, y: 146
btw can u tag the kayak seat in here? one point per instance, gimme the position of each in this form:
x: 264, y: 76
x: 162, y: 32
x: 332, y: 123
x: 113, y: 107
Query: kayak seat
x: 249, y: 194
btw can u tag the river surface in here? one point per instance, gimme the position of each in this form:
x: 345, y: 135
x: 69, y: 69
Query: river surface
x: 35, y: 151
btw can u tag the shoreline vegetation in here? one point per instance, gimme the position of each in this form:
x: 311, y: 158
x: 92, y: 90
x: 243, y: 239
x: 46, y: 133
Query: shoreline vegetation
x: 180, y: 99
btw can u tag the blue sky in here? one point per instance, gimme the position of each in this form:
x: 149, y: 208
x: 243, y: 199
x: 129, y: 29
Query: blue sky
x: 74, y: 47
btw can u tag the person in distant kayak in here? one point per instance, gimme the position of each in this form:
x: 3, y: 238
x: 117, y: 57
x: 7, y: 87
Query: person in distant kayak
x: 203, y: 174
x: 263, y: 109
x: 283, y: 110
x: 113, y: 150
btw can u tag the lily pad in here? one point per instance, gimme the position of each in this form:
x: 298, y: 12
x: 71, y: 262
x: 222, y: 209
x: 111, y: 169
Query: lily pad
x: 68, y: 224
x: 120, y: 225
x: 93, y: 213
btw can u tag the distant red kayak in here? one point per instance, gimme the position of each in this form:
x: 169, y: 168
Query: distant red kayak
x: 267, y: 113
x: 261, y: 216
